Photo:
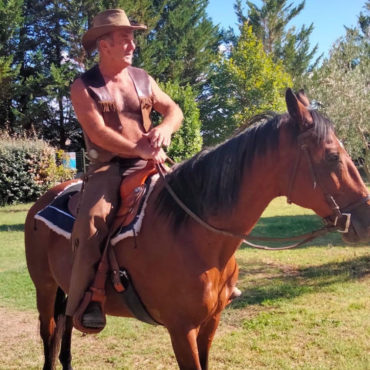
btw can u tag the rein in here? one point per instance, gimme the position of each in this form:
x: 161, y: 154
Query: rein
x: 340, y: 219
x: 246, y: 238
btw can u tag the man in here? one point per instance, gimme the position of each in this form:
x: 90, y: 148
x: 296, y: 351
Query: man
x: 112, y: 102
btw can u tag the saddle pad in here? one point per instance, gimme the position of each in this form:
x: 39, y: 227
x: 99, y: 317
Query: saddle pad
x: 58, y: 218
x: 56, y: 215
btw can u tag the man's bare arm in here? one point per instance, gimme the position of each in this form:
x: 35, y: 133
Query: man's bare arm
x: 172, y: 117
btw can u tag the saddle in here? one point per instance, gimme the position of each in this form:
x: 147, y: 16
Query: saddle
x: 132, y: 190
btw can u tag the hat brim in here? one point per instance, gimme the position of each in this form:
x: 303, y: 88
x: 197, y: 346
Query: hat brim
x: 90, y: 37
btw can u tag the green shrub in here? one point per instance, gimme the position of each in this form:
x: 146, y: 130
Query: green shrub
x: 27, y: 168
x: 188, y: 140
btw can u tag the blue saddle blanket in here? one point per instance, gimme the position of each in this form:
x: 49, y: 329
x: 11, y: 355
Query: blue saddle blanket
x: 56, y: 215
x: 58, y: 218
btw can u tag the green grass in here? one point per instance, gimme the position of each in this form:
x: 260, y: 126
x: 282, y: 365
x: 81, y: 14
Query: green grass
x: 16, y: 288
x: 301, y: 309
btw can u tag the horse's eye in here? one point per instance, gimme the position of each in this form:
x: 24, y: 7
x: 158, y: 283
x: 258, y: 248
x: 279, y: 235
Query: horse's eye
x: 333, y: 157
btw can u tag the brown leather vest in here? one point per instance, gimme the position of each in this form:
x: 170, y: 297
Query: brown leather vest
x: 97, y: 89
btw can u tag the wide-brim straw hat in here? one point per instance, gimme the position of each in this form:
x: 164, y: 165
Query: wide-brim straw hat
x: 105, y: 22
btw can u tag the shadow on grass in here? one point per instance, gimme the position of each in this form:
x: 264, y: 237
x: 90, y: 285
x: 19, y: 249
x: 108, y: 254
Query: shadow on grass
x: 270, y: 285
x: 16, y: 227
x: 288, y: 226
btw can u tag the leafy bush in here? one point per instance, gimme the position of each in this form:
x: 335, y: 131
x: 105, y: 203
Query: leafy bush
x: 188, y: 140
x: 27, y: 168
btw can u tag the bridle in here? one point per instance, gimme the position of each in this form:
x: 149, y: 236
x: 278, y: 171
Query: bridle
x: 340, y: 219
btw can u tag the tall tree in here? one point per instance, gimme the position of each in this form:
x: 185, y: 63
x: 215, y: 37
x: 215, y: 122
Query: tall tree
x: 244, y: 84
x: 270, y: 23
x: 341, y: 89
x: 10, y: 21
x: 183, y: 43
x: 45, y: 72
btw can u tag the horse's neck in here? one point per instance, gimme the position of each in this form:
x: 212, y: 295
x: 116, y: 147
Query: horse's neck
x: 260, y: 186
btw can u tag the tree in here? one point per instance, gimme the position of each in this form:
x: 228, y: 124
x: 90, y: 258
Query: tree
x: 187, y: 141
x: 341, y: 88
x: 41, y: 101
x: 247, y: 83
x: 270, y: 24
x: 182, y: 44
x: 10, y: 20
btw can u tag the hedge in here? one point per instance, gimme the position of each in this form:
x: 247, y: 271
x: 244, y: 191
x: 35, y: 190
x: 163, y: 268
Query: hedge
x: 28, y: 167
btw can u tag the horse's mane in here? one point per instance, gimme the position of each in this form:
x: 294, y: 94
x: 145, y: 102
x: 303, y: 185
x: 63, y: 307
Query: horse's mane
x: 211, y: 180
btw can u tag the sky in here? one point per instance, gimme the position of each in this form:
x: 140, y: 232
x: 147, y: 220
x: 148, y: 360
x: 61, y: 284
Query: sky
x: 328, y: 17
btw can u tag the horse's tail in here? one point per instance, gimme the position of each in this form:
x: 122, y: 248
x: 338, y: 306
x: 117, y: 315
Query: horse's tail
x: 60, y: 321
x: 59, y: 304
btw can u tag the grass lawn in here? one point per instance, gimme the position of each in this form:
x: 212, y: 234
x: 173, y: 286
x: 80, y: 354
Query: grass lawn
x: 300, y: 309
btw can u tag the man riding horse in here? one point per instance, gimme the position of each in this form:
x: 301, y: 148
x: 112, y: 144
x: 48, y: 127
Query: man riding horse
x: 112, y: 102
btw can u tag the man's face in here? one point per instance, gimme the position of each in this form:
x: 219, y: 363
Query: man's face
x: 122, y: 46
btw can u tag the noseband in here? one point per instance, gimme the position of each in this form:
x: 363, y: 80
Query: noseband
x: 340, y: 220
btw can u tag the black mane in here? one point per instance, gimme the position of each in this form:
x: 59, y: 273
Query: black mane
x: 211, y: 180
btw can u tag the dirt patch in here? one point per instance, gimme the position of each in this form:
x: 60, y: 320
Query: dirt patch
x: 15, y: 325
x: 19, y: 340
x: 21, y: 347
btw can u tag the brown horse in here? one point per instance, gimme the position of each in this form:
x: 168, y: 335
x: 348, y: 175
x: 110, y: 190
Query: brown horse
x: 184, y: 272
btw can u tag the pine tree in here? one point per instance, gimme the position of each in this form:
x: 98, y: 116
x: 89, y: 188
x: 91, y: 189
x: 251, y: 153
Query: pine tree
x: 270, y: 24
x: 10, y: 20
x: 45, y: 72
x: 183, y: 43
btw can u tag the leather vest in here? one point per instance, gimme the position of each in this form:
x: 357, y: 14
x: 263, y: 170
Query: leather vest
x: 96, y: 87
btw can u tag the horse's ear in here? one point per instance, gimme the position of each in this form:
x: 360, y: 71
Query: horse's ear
x: 303, y: 98
x: 297, y: 108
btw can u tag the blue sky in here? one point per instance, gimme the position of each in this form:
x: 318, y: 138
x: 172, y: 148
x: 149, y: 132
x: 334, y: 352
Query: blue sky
x: 328, y: 17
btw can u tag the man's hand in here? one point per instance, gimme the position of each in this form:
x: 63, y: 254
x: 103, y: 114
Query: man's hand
x: 159, y: 136
x: 146, y: 151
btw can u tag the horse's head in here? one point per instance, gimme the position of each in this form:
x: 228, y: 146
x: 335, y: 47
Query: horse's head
x: 320, y: 174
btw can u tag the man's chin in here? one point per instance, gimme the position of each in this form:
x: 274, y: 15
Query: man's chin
x: 128, y: 60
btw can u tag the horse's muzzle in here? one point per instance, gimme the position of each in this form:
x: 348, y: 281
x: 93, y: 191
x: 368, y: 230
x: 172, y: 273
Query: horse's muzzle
x: 359, y: 230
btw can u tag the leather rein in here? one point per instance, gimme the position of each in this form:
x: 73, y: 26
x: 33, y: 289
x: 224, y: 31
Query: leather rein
x: 342, y: 218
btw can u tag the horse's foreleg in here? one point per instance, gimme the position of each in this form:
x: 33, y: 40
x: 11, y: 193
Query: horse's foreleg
x: 205, y: 337
x: 65, y: 357
x: 184, y: 343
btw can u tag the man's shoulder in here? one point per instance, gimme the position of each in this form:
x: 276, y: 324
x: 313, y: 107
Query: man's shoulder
x: 138, y: 71
x: 141, y: 81
x: 93, y: 77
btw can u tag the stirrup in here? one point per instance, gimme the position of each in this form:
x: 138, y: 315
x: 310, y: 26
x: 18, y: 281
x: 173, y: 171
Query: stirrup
x: 77, y: 317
